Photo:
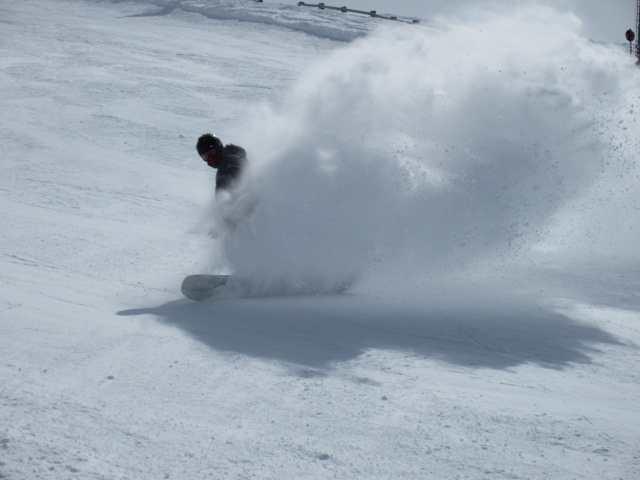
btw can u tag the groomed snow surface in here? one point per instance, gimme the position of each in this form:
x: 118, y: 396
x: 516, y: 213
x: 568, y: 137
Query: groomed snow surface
x: 474, y: 179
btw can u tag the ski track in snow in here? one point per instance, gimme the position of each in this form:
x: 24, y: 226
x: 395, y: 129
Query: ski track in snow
x: 107, y: 373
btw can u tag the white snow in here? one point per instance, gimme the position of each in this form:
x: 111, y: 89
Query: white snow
x: 476, y: 178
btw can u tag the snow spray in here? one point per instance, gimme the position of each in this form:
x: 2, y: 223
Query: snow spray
x: 470, y: 144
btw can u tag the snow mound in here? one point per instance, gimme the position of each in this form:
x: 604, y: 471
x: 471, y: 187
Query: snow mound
x: 321, y: 23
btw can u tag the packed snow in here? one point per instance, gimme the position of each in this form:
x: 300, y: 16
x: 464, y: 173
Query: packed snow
x: 473, y: 179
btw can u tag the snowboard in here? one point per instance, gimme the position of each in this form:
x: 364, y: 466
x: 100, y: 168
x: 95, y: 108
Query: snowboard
x: 201, y: 287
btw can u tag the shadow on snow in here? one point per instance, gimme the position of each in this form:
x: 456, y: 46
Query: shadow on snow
x: 320, y: 331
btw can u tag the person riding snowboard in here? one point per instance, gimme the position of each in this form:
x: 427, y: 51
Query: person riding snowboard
x: 230, y: 160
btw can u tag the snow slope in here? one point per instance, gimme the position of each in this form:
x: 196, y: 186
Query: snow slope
x: 485, y: 200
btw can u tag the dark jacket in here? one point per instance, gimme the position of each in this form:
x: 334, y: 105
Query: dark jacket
x: 230, y: 165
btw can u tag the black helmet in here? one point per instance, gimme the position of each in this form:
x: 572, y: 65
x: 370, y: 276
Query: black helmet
x: 206, y: 142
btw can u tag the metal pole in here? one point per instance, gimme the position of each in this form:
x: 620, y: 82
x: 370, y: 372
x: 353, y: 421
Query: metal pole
x: 372, y: 13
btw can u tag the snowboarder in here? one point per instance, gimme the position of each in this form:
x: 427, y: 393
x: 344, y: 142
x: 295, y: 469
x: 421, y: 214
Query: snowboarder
x: 233, y: 204
x: 229, y: 160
